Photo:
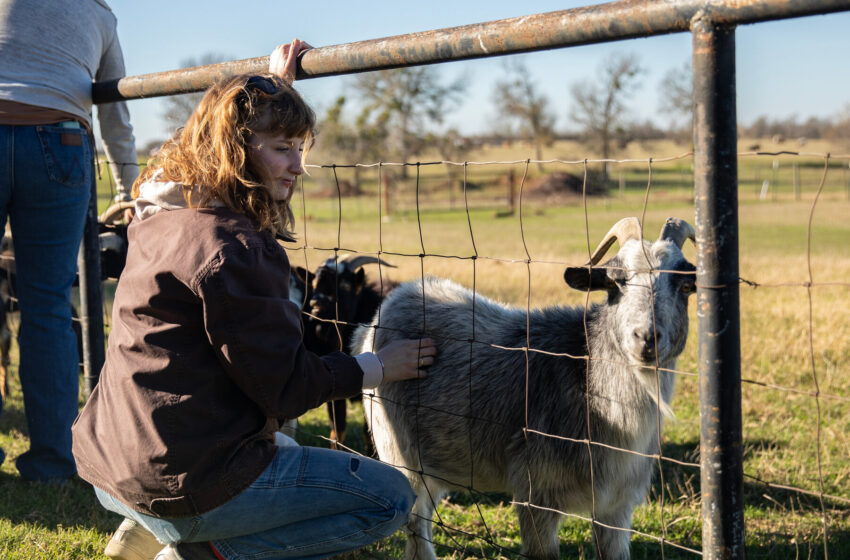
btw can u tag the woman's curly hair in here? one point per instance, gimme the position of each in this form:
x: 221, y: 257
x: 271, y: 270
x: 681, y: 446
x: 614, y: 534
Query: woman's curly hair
x: 210, y: 153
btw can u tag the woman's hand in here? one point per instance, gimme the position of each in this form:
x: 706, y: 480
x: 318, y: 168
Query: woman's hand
x: 282, y: 60
x: 407, y: 359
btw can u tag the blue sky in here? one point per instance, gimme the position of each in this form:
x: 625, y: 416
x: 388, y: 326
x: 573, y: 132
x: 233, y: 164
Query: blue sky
x: 791, y: 67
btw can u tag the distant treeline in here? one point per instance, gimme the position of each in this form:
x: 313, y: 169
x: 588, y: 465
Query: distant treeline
x: 792, y: 127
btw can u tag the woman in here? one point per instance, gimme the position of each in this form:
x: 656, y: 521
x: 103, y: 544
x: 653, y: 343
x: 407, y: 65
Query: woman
x: 205, y: 356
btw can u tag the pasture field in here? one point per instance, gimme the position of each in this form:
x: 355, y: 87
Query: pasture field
x: 795, y: 328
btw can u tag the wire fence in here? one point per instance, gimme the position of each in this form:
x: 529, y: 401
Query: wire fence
x: 794, y: 390
x: 329, y: 235
x: 332, y: 224
x: 454, y: 545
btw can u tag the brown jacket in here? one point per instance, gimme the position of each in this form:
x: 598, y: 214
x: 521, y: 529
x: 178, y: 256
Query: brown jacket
x: 204, y: 359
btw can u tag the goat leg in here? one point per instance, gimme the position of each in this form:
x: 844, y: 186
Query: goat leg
x: 337, y: 414
x: 539, y: 531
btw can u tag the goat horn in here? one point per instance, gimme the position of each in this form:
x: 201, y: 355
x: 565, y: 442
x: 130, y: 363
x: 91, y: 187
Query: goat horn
x: 624, y: 230
x: 114, y: 211
x: 677, y: 231
x: 356, y: 261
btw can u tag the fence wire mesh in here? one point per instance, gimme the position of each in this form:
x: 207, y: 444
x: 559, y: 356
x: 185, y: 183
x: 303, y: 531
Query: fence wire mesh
x: 459, y: 220
x: 507, y: 229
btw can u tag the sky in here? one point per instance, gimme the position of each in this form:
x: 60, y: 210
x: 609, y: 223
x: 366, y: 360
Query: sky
x: 784, y: 68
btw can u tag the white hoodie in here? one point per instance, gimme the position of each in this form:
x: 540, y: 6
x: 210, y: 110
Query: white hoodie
x: 155, y: 195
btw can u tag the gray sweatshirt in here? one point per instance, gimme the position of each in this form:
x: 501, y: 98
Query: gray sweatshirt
x: 50, y: 53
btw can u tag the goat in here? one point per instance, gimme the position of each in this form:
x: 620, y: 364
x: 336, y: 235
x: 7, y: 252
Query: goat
x: 301, y: 287
x: 512, y: 410
x: 342, y: 297
x: 112, y: 236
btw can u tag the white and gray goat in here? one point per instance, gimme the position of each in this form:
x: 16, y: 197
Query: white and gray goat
x: 485, y: 419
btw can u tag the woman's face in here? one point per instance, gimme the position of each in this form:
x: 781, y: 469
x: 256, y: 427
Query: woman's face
x: 276, y: 159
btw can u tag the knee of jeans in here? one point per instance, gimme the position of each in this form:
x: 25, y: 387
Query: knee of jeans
x: 406, y: 502
x: 394, y: 485
x: 402, y: 492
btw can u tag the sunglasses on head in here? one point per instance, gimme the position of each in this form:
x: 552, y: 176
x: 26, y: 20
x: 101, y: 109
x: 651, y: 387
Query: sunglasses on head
x: 262, y: 83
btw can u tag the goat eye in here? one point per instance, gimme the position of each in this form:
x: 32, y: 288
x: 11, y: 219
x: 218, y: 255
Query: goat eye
x: 616, y: 281
x: 687, y: 287
x: 620, y: 283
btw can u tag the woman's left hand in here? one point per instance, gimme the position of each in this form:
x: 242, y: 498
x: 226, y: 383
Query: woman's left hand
x: 282, y: 60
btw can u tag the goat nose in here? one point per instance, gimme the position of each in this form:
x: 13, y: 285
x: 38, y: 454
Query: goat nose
x: 647, y: 339
x: 648, y: 336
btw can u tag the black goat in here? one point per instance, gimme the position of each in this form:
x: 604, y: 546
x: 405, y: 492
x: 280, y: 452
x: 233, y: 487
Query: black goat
x: 342, y: 298
x: 301, y: 287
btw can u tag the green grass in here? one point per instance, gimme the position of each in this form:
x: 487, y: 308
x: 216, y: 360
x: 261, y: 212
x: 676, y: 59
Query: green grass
x: 784, y: 350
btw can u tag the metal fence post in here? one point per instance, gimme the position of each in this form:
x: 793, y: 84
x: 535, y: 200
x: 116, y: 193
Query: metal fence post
x: 716, y: 178
x: 91, y: 296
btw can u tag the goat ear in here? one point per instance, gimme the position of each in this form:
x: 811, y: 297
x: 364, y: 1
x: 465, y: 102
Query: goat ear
x: 359, y: 276
x: 301, y: 273
x: 579, y: 278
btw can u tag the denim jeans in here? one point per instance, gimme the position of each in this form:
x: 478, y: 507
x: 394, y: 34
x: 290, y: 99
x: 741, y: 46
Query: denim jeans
x: 45, y: 186
x: 308, y: 503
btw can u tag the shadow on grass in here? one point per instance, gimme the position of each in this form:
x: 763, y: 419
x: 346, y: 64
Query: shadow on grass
x: 52, y: 506
x: 774, y: 532
x: 781, y: 524
x: 756, y: 494
x: 13, y: 419
x: 47, y: 506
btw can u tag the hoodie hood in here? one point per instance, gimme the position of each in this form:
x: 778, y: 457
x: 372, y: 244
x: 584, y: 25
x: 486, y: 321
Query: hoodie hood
x: 156, y: 195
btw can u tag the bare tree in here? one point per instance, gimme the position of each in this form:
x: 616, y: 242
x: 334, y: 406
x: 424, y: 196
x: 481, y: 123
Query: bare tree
x: 841, y: 126
x: 518, y: 100
x: 408, y: 99
x: 676, y: 95
x: 178, y: 108
x: 452, y: 146
x: 600, y: 104
x: 362, y: 141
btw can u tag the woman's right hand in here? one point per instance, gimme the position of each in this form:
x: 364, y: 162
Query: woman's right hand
x: 407, y: 359
x: 283, y: 58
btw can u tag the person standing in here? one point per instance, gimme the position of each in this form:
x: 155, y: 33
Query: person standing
x: 50, y: 54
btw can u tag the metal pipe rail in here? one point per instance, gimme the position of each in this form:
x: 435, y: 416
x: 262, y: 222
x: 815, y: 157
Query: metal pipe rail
x: 718, y: 310
x: 626, y: 19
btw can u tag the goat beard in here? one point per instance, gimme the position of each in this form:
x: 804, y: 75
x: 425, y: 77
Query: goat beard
x: 648, y: 378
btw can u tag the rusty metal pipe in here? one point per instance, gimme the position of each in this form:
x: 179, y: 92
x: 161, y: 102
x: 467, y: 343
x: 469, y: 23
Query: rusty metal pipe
x: 718, y: 307
x: 625, y: 19
x: 91, y: 295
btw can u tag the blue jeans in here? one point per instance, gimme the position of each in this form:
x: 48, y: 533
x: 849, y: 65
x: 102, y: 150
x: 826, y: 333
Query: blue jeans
x: 45, y: 186
x: 308, y: 503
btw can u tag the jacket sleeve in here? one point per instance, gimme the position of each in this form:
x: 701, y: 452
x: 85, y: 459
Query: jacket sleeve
x: 256, y: 331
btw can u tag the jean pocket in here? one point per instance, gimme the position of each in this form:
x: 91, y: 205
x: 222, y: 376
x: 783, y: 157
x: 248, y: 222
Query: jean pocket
x: 67, y: 155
